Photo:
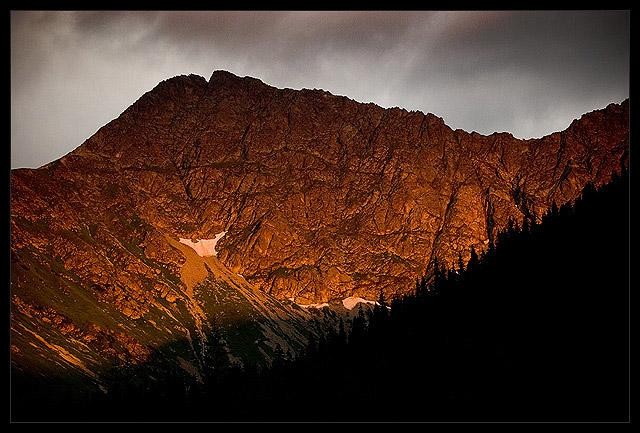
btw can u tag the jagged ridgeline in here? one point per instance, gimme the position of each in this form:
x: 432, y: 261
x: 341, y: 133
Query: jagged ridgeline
x: 227, y: 219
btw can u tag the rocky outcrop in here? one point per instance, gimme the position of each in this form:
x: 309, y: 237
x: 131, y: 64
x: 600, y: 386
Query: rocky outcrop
x: 320, y: 197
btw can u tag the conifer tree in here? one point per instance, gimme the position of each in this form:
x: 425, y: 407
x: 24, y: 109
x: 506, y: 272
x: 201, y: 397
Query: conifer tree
x: 473, y: 260
x: 342, y: 335
x: 460, y: 264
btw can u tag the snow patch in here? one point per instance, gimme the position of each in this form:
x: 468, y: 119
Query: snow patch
x: 349, y: 303
x: 323, y: 305
x: 204, y: 247
x: 352, y: 301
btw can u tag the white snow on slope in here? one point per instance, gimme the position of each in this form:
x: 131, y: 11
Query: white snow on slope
x: 324, y: 304
x: 204, y: 247
x: 352, y: 301
x: 349, y: 303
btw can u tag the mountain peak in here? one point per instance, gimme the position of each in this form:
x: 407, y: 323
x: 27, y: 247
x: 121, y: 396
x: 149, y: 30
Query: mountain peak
x: 221, y: 74
x: 191, y: 79
x: 222, y: 77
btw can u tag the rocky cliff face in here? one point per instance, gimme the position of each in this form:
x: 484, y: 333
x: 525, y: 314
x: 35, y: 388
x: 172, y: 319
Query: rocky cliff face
x: 319, y: 197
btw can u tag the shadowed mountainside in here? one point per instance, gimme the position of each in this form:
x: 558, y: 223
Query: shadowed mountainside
x: 534, y: 329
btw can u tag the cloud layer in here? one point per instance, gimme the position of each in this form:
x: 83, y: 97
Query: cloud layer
x: 529, y: 73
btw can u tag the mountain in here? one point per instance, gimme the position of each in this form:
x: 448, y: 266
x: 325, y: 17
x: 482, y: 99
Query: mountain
x: 216, y: 207
x: 536, y: 329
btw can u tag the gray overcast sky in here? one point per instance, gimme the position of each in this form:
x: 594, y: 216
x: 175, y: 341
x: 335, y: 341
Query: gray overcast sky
x: 528, y: 73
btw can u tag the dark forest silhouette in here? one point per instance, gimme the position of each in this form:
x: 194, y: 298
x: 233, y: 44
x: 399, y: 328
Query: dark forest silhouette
x: 535, y: 328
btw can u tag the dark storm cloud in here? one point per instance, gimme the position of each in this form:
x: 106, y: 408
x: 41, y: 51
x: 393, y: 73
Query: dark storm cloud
x: 582, y: 47
x: 529, y: 73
